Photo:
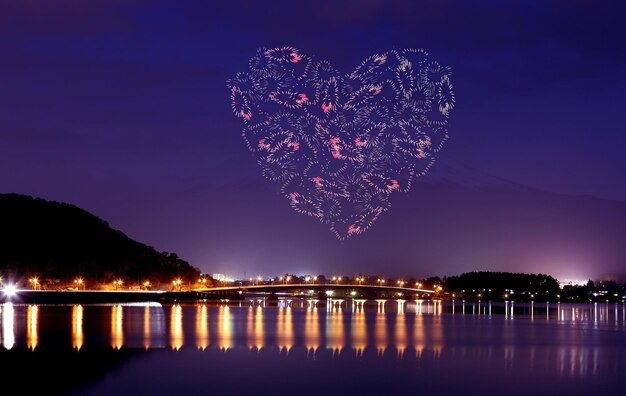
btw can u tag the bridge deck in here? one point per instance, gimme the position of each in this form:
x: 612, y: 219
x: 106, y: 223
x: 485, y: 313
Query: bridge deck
x: 318, y: 287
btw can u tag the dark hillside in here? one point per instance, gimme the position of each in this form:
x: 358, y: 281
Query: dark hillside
x: 60, y: 241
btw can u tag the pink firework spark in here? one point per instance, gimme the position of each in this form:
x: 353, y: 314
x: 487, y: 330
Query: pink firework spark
x: 360, y: 143
x: 393, y: 186
x: 327, y: 107
x: 318, y: 181
x: 303, y: 99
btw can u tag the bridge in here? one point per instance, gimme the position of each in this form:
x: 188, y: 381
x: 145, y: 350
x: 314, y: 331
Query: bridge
x: 238, y: 292
x: 306, y: 288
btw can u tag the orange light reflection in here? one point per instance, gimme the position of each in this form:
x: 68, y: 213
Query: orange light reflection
x: 77, y: 327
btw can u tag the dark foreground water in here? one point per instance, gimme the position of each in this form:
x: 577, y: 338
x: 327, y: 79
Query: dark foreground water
x: 340, y: 348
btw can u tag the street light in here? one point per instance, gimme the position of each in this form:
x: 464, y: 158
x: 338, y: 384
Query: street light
x: 34, y: 282
x: 381, y: 282
x: 78, y: 282
x: 360, y: 280
x: 177, y: 282
x: 401, y: 283
x: 10, y: 290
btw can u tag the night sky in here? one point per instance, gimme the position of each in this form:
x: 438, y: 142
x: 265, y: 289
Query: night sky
x: 121, y: 108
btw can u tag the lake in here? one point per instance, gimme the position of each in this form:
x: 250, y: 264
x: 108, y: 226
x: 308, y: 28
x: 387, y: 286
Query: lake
x: 306, y: 347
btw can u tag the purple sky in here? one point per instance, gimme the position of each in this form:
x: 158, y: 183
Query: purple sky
x: 121, y: 108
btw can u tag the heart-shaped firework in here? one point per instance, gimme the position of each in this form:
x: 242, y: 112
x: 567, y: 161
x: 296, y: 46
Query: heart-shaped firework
x: 341, y: 145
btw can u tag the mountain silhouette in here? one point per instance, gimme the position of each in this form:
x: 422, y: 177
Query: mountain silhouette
x: 58, y: 242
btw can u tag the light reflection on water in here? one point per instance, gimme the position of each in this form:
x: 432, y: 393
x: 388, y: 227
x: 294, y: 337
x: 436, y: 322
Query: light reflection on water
x: 8, y: 326
x: 176, y: 327
x: 32, y: 317
x: 77, y: 326
x: 202, y: 327
x: 146, y: 327
x: 117, y: 326
x: 573, y: 339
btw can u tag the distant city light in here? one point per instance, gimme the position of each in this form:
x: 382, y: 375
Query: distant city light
x: 222, y: 278
x: 572, y: 282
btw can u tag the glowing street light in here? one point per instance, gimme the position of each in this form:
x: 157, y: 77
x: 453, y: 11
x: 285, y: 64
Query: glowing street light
x: 147, y: 284
x: 117, y: 283
x: 34, y: 282
x: 10, y: 290
x: 401, y: 283
x: 79, y: 282
x: 360, y: 280
x: 418, y: 285
x: 307, y: 279
x: 177, y: 282
x: 380, y: 282
x: 337, y: 279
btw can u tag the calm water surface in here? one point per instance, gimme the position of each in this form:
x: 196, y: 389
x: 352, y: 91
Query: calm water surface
x: 315, y: 348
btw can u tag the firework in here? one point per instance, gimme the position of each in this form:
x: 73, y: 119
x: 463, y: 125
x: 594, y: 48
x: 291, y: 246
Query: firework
x: 340, y: 146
